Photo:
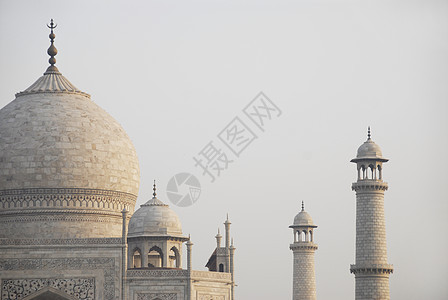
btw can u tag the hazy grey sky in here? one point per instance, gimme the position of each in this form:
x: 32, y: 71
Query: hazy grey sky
x: 175, y: 73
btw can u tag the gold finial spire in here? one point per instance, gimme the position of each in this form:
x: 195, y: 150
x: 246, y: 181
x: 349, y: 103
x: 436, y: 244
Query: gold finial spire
x: 52, y: 51
x: 368, y: 133
x: 154, y: 194
x: 303, y: 206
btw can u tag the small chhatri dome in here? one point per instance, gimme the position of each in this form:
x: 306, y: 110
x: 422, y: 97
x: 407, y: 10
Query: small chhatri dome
x: 154, y: 218
x: 369, y: 150
x: 303, y: 218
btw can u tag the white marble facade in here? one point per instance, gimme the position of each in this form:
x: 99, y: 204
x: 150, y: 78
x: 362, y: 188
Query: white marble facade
x: 69, y: 180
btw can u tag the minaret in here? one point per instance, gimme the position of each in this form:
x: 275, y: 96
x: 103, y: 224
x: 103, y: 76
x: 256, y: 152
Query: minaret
x: 303, y: 248
x: 371, y: 268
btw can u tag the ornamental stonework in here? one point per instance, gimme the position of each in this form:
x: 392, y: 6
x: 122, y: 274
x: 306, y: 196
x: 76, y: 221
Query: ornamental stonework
x: 46, y: 242
x: 211, y: 297
x: 157, y: 296
x: 156, y: 273
x: 106, y: 264
x: 80, y: 288
x: 77, y: 198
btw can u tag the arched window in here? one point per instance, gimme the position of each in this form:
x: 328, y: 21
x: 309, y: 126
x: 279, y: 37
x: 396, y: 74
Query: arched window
x: 311, y: 235
x: 380, y: 172
x: 372, y: 172
x: 155, y: 257
x: 137, y: 258
x: 174, y: 261
x: 221, y: 268
x: 302, y: 236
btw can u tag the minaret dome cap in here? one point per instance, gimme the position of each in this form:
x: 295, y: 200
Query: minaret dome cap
x: 369, y: 150
x: 303, y: 219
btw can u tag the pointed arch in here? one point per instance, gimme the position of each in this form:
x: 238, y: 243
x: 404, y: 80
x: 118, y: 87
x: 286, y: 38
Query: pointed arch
x: 136, y: 258
x: 155, y: 257
x: 174, y: 258
x: 49, y: 293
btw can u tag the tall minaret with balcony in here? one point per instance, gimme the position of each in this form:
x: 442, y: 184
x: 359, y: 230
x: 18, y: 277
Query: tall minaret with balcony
x: 303, y: 248
x: 371, y: 269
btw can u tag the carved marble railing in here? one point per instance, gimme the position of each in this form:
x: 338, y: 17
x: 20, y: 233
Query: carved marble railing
x: 172, y: 273
x: 207, y: 275
x: 156, y: 273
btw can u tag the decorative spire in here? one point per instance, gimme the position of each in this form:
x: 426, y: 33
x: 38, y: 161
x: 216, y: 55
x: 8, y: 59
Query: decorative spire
x: 227, y: 220
x: 52, y: 51
x: 189, y: 242
x: 303, y: 206
x: 368, y: 133
x: 154, y: 194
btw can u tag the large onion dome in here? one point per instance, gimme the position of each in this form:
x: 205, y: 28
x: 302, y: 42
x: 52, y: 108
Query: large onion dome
x: 67, y: 168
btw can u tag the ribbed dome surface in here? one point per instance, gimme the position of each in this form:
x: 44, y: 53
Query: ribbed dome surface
x: 154, y: 218
x: 52, y: 82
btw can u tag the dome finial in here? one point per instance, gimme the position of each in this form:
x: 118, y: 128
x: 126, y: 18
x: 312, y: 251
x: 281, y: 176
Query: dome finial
x: 303, y: 206
x: 154, y: 194
x: 368, y: 133
x: 52, y: 51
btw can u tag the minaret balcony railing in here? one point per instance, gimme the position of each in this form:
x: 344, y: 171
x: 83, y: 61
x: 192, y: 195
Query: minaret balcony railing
x: 369, y: 184
x: 303, y: 246
x: 372, y: 269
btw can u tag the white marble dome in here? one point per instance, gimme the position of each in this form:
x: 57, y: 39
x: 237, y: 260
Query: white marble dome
x: 369, y: 150
x: 154, y: 219
x: 303, y: 219
x: 67, y: 168
x: 54, y: 136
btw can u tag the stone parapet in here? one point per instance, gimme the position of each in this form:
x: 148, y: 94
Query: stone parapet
x: 214, y: 276
x: 156, y: 273
x: 177, y: 273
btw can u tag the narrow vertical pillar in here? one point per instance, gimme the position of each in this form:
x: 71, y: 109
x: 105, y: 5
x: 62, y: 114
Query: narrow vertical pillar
x: 232, y: 270
x: 124, y: 255
x: 189, y: 249
x: 218, y: 239
x: 189, y: 268
x: 227, y: 226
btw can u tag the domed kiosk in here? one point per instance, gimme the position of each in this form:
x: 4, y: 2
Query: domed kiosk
x: 67, y: 168
x: 155, y: 236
